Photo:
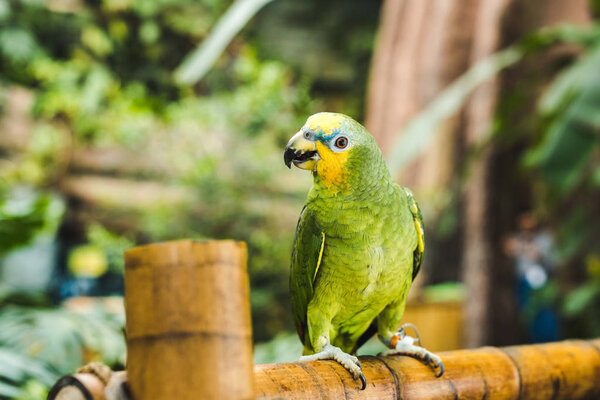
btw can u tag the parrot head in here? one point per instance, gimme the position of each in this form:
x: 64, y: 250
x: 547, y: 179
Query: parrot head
x: 335, y: 148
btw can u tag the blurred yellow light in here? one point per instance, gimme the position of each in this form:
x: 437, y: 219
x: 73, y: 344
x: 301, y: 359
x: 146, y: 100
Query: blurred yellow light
x: 87, y: 261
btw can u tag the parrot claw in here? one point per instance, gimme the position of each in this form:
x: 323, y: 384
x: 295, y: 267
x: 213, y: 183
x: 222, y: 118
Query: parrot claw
x: 363, y: 381
x: 348, y: 361
x: 435, y: 364
x: 441, y: 370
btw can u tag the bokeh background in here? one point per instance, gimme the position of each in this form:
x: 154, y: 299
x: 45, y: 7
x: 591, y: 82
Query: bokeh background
x: 125, y: 122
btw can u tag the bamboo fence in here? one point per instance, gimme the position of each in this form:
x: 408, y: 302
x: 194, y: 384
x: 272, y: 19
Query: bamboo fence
x: 189, y: 337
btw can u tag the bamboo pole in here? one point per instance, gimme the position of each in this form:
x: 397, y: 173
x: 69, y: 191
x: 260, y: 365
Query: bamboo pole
x: 188, y: 326
x: 568, y: 370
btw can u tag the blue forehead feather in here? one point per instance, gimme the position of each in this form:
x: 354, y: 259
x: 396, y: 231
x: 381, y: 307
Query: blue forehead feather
x: 326, y: 136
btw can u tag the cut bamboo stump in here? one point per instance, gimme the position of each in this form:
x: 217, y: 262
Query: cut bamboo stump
x: 187, y: 309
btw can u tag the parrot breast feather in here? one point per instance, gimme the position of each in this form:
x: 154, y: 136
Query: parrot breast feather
x: 306, y: 257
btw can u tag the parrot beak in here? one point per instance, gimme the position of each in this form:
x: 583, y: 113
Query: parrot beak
x: 302, y: 152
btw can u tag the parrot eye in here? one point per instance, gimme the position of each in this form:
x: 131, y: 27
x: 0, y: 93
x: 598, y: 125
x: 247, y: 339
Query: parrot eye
x: 306, y: 135
x: 341, y: 142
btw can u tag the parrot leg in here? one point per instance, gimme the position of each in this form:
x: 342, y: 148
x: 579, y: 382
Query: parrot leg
x: 402, y: 344
x: 348, y: 361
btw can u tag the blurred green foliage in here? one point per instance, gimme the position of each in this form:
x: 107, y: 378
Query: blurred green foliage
x: 38, y: 345
x: 101, y: 78
x: 96, y: 77
x: 20, y: 219
x: 111, y: 245
x: 571, y: 123
x: 564, y: 161
x: 38, y: 342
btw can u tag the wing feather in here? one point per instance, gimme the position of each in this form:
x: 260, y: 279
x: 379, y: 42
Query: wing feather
x: 418, y: 221
x: 307, y: 253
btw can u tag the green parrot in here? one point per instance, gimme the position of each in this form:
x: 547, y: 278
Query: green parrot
x: 358, y: 247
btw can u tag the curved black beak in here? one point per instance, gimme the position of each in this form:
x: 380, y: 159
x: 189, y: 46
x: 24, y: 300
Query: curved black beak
x: 300, y: 151
x: 290, y: 154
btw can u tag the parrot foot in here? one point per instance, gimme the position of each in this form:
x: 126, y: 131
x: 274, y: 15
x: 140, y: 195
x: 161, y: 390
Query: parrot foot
x: 348, y: 361
x: 404, y: 345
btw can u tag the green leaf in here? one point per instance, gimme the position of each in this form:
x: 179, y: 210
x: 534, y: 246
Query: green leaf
x: 94, y: 89
x: 201, y: 60
x: 565, y: 87
x: 113, y: 245
x: 5, y: 11
x: 149, y: 32
x: 20, y: 220
x: 572, y: 136
x: 97, y: 40
x: 7, y: 390
x: 18, y: 45
x: 33, y: 390
x: 18, y: 368
x: 581, y: 298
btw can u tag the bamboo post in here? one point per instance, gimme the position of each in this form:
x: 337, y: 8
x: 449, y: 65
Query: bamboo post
x: 188, y: 326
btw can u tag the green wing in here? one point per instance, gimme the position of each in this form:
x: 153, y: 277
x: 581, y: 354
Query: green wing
x: 306, y: 256
x: 418, y: 220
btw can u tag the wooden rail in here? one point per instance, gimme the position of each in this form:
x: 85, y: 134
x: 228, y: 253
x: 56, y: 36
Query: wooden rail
x: 567, y: 370
x: 189, y: 338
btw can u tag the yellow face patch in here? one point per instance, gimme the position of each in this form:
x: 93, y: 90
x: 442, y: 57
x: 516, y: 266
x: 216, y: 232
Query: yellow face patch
x: 330, y: 167
x: 326, y: 122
